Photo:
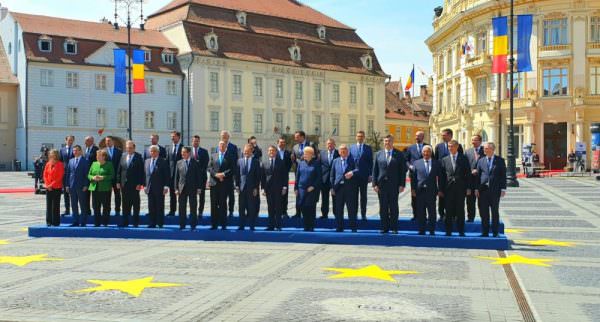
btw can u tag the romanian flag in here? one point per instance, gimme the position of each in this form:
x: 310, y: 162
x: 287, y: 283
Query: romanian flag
x: 500, y: 26
x: 139, y: 86
x: 411, y: 80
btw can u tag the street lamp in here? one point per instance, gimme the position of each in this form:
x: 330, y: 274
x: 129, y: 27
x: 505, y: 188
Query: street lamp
x: 511, y: 173
x: 128, y: 6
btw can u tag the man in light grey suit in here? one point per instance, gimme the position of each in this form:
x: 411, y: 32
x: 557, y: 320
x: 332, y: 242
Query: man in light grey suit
x: 187, y: 187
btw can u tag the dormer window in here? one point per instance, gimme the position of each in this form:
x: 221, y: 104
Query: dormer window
x: 45, y: 44
x: 212, y: 41
x: 168, y: 57
x: 70, y: 47
x: 322, y: 32
x: 241, y: 18
x: 295, y: 53
x: 367, y: 61
x: 147, y: 56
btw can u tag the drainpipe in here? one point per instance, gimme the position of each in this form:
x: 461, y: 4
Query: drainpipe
x: 189, y: 79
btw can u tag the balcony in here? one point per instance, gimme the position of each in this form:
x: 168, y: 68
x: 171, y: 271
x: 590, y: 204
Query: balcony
x: 518, y: 103
x: 552, y: 51
x: 477, y: 65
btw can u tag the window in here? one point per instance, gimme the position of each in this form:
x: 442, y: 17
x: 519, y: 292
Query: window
x: 318, y: 92
x: 237, y: 85
x: 279, y: 121
x: 171, y: 120
x: 147, y: 56
x: 171, y: 87
x: 440, y: 106
x: 518, y: 86
x: 70, y: 47
x: 241, y: 18
x: 149, y: 85
x: 72, y: 80
x: 279, y: 88
x: 482, y: 90
x: 101, y: 117
x: 47, y: 115
x: 258, y: 86
x: 322, y: 32
x: 352, y: 127
x: 595, y: 29
x: 318, y: 124
x: 299, y: 93
x: 482, y: 42
x: 45, y: 45
x: 214, y: 82
x: 123, y: 119
x: 237, y: 122
x: 46, y: 77
x: 335, y: 97
x: 100, y: 82
x: 555, y: 32
x: 258, y: 123
x: 299, y: 122
x: 370, y: 127
x: 168, y: 58
x: 457, y: 97
x: 214, y: 121
x: 370, y: 96
x: 556, y: 82
x: 149, y: 120
x: 72, y: 116
x: 441, y: 65
x: 449, y: 100
x: 335, y: 125
x: 449, y: 61
x: 595, y: 80
x: 352, y: 94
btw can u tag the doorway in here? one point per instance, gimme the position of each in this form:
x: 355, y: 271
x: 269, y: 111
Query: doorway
x: 555, y: 145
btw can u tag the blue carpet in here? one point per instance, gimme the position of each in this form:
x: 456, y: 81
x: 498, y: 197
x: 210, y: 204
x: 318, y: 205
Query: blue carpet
x: 288, y: 235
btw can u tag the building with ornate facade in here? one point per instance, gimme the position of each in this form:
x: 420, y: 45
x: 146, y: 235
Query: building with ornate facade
x: 270, y: 67
x: 405, y: 115
x: 555, y: 104
x: 8, y: 114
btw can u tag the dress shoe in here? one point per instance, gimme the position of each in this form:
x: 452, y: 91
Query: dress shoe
x: 65, y: 214
x: 364, y: 217
x: 278, y: 229
x: 193, y: 229
x: 223, y: 228
x: 82, y: 225
x: 311, y: 229
x: 251, y: 228
x: 270, y: 229
x: 151, y: 226
x: 117, y: 213
x: 448, y: 234
x: 354, y: 230
x: 231, y: 215
x: 461, y: 234
x: 395, y: 232
x: 296, y: 216
x: 213, y: 228
x: 470, y: 220
x: 240, y: 228
x: 323, y: 217
x: 484, y: 235
x: 495, y: 234
x: 160, y: 226
x: 96, y: 225
x: 105, y: 225
x: 171, y: 214
x: 123, y: 226
x: 413, y: 219
x: 306, y: 229
x: 432, y: 233
x: 74, y: 225
x: 135, y: 226
x: 340, y: 230
x: 421, y: 233
x: 384, y: 231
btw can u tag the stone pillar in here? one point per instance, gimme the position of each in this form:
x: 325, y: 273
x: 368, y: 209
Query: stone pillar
x: 579, y: 135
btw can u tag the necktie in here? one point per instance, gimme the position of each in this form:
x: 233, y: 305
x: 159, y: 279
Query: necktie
x: 489, y: 163
x: 427, y: 167
x: 152, y: 166
x: 110, y: 152
x: 454, y: 162
x: 196, y: 153
x: 272, y: 164
x: 76, y: 162
x: 389, y: 156
x: 419, y: 148
x: 174, y: 148
x: 187, y: 164
x: 344, y: 164
x: 330, y: 156
x: 446, y: 148
x: 476, y: 153
x: 301, y: 147
x: 128, y: 160
x: 220, y: 158
x: 87, y: 152
x: 281, y: 154
x: 68, y: 152
x: 360, y: 149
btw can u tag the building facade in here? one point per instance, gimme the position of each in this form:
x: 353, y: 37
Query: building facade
x: 266, y: 69
x: 404, y: 115
x: 65, y: 79
x: 8, y: 112
x: 555, y: 104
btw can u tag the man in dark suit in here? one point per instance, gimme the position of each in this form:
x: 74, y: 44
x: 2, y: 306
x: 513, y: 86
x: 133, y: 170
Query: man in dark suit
x: 130, y: 180
x: 489, y: 188
x: 221, y: 171
x: 327, y: 157
x: 173, y: 156
x: 200, y: 155
x: 274, y: 182
x: 363, y: 158
x: 257, y: 151
x: 298, y: 154
x: 154, y: 141
x: 158, y: 180
x: 344, y: 188
x: 425, y: 175
x: 114, y: 156
x: 187, y: 187
x: 89, y: 150
x: 286, y: 156
x: 389, y: 180
x: 473, y: 155
x: 455, y: 185
x: 441, y: 151
x: 77, y: 186
x: 232, y: 154
x: 66, y: 154
x: 247, y: 183
x: 414, y: 153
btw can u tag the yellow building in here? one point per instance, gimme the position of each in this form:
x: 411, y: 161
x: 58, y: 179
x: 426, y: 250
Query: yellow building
x: 405, y: 116
x: 8, y: 112
x: 555, y: 105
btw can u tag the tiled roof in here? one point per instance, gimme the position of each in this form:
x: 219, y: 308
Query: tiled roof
x: 287, y: 9
x: 6, y: 75
x: 399, y: 109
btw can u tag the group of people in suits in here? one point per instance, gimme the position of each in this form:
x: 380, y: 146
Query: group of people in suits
x: 444, y: 176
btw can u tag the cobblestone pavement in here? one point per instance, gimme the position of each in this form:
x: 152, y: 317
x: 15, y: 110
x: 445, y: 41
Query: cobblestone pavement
x: 233, y: 281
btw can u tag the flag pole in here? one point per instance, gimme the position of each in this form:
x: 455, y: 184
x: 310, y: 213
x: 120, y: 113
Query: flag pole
x: 413, y: 82
x: 511, y: 175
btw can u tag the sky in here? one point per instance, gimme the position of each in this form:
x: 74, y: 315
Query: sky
x: 394, y: 28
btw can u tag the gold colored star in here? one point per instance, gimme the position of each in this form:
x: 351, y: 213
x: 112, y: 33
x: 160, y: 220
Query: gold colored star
x: 4, y: 242
x: 24, y: 260
x: 518, y: 259
x: 371, y: 271
x: 546, y: 242
x: 514, y: 230
x: 131, y: 287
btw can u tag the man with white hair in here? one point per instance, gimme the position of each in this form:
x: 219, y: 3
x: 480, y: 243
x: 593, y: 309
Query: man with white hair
x: 158, y: 180
x: 232, y: 154
x: 490, y: 187
x: 424, y: 186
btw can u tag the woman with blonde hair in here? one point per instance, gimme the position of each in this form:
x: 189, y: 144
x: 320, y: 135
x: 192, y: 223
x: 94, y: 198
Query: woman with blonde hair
x: 101, y: 175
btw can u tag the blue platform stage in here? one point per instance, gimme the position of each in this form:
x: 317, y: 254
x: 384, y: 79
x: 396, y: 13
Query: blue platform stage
x: 368, y: 234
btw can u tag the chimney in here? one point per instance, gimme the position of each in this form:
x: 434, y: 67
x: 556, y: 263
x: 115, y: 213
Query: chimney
x: 3, y: 12
x: 424, y: 94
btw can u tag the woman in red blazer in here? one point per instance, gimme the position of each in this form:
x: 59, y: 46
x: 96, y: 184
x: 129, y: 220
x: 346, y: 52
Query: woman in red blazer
x: 53, y: 179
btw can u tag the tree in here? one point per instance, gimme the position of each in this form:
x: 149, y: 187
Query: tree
x: 374, y: 139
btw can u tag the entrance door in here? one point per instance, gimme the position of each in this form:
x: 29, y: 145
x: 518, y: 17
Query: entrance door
x: 555, y: 145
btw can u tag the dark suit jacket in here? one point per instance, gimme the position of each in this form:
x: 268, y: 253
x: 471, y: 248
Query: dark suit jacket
x: 422, y: 181
x: 336, y: 176
x: 257, y: 153
x: 227, y: 167
x: 116, y: 159
x: 470, y: 153
x: 133, y: 175
x: 91, y: 154
x: 77, y: 176
x: 232, y: 153
x: 326, y: 165
x: 158, y: 179
x: 493, y: 179
x: 187, y: 178
x: 162, y: 152
x: 364, y: 161
x: 274, y: 180
x: 247, y: 178
x: 308, y: 175
x: 413, y: 153
x: 66, y: 155
x: 298, y: 153
x: 202, y: 158
x: 173, y: 158
x: 392, y: 175
x: 441, y: 151
x: 458, y: 178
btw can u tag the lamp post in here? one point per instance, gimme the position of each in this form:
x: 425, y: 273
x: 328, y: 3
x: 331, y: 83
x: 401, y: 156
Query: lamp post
x: 511, y: 174
x: 127, y: 6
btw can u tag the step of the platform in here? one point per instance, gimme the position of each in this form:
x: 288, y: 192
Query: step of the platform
x: 288, y: 235
x: 372, y: 223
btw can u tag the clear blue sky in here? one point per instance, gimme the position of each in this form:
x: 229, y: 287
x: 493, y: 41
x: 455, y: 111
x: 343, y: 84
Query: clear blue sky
x: 395, y: 28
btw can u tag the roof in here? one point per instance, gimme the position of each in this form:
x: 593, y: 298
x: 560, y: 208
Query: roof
x: 400, y: 109
x: 287, y: 9
x: 6, y: 75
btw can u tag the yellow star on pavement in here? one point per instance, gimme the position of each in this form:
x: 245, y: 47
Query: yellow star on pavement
x: 24, y: 260
x: 371, y: 271
x: 131, y: 287
x: 546, y: 242
x: 514, y: 230
x: 4, y: 242
x: 518, y: 259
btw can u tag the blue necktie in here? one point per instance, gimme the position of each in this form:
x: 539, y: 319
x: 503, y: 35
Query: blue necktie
x: 427, y: 167
x: 220, y: 158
